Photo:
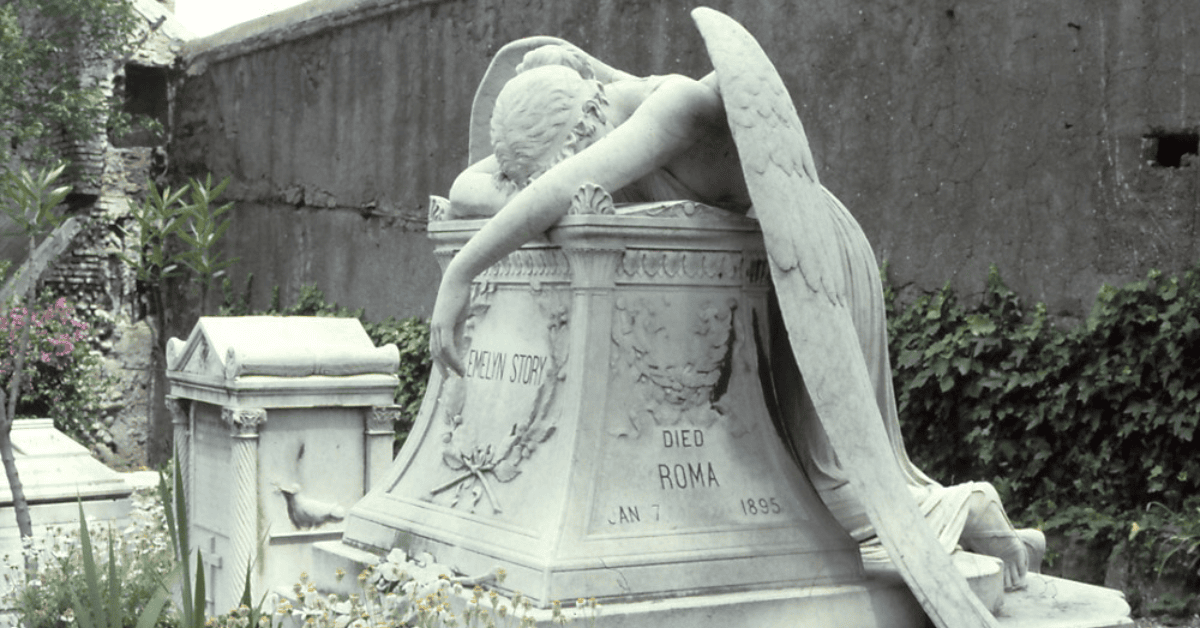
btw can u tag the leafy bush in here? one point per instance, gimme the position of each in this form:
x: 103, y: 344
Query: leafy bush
x: 1086, y: 431
x: 1104, y: 413
x: 63, y: 378
x: 140, y: 557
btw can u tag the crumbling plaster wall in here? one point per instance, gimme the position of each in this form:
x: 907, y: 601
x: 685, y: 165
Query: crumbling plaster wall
x: 961, y: 134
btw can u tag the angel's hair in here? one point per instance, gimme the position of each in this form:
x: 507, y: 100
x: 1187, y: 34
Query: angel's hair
x: 557, y: 54
x: 541, y: 117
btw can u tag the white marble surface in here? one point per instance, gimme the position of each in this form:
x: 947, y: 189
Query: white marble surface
x: 282, y: 424
x: 609, y: 438
x: 1050, y: 602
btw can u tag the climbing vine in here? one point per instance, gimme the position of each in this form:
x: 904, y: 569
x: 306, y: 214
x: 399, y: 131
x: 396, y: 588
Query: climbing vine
x: 1087, y: 431
x: 1102, y: 413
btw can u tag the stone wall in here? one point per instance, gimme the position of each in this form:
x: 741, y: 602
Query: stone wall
x: 961, y: 134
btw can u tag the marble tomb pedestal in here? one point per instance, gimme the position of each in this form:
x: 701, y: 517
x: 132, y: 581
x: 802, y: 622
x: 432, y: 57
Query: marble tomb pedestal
x: 281, y: 424
x: 610, y: 437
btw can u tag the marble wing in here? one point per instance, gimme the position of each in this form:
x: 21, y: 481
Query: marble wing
x: 500, y: 70
x: 801, y: 223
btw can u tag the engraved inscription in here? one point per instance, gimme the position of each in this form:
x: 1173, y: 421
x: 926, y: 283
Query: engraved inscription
x: 505, y: 407
x: 529, y: 370
x: 687, y: 475
x: 760, y: 506
x: 487, y: 365
x: 683, y: 438
x: 622, y: 515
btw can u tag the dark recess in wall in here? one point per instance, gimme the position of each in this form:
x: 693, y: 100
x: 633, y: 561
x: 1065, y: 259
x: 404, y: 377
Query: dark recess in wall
x: 145, y: 93
x: 1168, y: 150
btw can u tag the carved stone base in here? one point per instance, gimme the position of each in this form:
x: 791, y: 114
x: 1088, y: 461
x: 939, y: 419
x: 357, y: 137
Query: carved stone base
x: 878, y: 601
x: 610, y: 438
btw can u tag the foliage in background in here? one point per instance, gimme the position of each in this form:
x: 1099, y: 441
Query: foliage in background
x: 43, y: 93
x: 53, y: 333
x: 64, y: 375
x: 1103, y: 414
x: 30, y: 200
x: 410, y: 335
x: 175, y: 234
x: 63, y: 378
x: 1165, y: 544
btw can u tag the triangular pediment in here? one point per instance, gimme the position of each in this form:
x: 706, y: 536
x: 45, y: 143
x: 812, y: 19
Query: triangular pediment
x: 196, y: 356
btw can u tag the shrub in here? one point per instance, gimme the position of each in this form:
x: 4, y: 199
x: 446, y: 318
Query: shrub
x: 142, y: 558
x: 1101, y: 414
x: 63, y: 377
x: 1086, y: 431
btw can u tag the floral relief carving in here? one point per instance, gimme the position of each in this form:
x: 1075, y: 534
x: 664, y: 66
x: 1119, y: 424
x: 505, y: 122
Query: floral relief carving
x: 244, y: 421
x: 662, y: 265
x: 382, y: 418
x: 681, y: 209
x: 676, y: 374
x: 531, y: 263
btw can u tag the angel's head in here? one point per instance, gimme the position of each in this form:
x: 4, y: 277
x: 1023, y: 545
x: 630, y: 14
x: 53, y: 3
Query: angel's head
x: 557, y: 54
x: 542, y: 116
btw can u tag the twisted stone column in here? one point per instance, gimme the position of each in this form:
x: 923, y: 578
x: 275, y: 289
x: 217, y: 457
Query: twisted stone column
x: 244, y: 424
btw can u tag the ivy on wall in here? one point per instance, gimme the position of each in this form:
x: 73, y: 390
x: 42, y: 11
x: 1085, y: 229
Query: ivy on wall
x: 1086, y: 432
x: 1102, y: 414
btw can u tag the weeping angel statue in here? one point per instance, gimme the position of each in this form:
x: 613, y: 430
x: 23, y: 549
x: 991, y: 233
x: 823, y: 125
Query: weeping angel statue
x: 732, y: 140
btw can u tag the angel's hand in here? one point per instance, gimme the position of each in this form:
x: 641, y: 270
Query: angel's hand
x: 449, y: 311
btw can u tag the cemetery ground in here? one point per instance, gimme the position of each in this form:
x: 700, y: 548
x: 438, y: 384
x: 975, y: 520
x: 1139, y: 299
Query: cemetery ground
x: 143, y: 552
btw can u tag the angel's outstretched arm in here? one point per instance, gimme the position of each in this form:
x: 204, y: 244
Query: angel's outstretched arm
x: 670, y: 120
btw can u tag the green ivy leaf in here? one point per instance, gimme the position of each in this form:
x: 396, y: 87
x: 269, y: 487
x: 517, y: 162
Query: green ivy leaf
x: 980, y: 325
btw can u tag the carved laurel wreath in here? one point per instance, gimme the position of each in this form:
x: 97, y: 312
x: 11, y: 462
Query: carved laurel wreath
x: 670, y: 387
x: 477, y: 462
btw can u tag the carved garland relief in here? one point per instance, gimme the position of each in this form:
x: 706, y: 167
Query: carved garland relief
x: 478, y: 459
x: 678, y: 375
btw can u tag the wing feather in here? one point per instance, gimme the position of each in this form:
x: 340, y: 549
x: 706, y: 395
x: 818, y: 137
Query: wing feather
x: 805, y: 229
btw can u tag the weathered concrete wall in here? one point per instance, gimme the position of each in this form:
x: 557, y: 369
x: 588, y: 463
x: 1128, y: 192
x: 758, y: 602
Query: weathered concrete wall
x: 961, y: 134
